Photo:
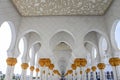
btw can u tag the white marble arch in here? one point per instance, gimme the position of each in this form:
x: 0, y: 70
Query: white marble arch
x: 57, y: 39
x: 29, y: 40
x: 11, y: 48
x: 95, y: 38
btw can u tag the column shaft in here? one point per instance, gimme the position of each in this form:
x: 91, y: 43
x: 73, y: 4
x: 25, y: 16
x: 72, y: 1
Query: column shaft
x: 36, y: 75
x: 9, y: 72
x: 94, y: 75
x: 31, y: 75
x: 118, y: 72
x: 23, y: 75
x: 89, y: 76
x: 114, y: 73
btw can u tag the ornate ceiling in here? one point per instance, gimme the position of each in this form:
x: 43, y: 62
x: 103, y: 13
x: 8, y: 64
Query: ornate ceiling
x: 61, y: 7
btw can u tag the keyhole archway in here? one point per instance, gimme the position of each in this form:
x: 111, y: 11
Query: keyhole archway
x: 5, y: 42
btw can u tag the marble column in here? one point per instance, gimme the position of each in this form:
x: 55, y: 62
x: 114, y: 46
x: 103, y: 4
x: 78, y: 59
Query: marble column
x: 36, y: 75
x: 115, y: 63
x: 53, y: 77
x: 41, y: 73
x: 10, y: 68
x: 114, y: 72
x: 94, y: 75
x: 24, y: 71
x: 94, y: 72
x: 81, y: 74
x: 31, y: 72
x: 69, y: 78
x: 49, y: 76
x: 31, y: 75
x: 23, y: 74
x: 37, y: 71
x: 9, y: 72
x: 85, y: 76
x: 101, y: 67
x: 118, y: 72
x: 46, y: 73
x: 102, y: 75
x: 78, y: 73
x: 32, y: 62
x: 51, y: 72
x: 89, y: 76
x: 74, y: 76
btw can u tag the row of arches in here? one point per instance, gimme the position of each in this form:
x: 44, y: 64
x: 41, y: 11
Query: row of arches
x: 8, y: 39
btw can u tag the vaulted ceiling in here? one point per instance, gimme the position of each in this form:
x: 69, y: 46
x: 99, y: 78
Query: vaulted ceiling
x: 62, y: 53
x: 61, y: 7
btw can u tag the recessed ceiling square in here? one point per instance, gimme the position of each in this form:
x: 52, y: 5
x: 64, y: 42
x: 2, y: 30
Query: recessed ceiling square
x: 61, y: 7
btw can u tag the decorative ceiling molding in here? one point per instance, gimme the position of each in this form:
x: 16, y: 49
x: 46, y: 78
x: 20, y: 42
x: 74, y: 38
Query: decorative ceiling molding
x: 62, y: 46
x: 61, y: 7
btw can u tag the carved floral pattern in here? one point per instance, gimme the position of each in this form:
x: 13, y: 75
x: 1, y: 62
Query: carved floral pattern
x: 61, y: 7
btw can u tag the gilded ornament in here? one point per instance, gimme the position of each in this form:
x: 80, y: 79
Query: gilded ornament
x: 32, y: 68
x: 114, y: 61
x: 101, y: 66
x: 93, y: 68
x: 73, y: 66
x: 87, y: 70
x: 24, y: 65
x: 37, y: 70
x: 11, y: 61
x: 51, y: 66
x: 80, y: 62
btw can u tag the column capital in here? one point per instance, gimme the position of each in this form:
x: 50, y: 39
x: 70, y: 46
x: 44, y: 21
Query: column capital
x: 73, y: 66
x: 101, y: 66
x: 11, y: 61
x: 93, y: 68
x: 80, y: 62
x: 87, y: 70
x: 51, y: 66
x: 32, y: 68
x: 24, y: 66
x: 115, y: 61
x: 37, y: 70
